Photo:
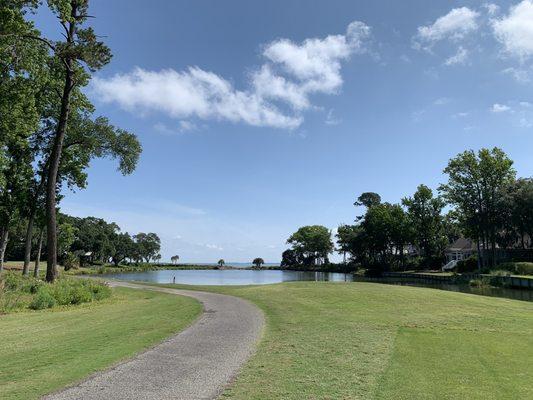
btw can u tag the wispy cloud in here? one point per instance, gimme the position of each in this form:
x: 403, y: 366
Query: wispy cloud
x: 331, y: 119
x: 500, y: 108
x: 455, y: 25
x: 458, y: 58
x: 291, y: 74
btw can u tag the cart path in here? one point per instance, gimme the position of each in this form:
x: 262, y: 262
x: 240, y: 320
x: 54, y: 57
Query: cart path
x: 197, y: 363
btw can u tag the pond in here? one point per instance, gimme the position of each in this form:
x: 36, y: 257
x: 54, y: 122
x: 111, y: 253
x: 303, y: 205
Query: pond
x: 504, y: 292
x: 229, y: 276
x: 263, y: 277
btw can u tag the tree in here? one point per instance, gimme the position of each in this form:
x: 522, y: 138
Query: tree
x: 425, y: 217
x: 368, y: 199
x: 148, y: 245
x: 289, y: 258
x: 221, y: 263
x: 312, y: 243
x: 73, y: 59
x: 476, y: 187
x: 258, y: 262
x: 174, y: 259
x: 122, y: 247
x: 21, y: 78
x: 387, y: 232
x: 519, y: 205
x: 347, y: 236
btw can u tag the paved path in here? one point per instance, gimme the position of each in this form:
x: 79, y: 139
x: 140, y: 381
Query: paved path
x: 195, y: 364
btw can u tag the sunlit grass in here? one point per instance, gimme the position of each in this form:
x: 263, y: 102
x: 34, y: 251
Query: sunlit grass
x: 43, y: 351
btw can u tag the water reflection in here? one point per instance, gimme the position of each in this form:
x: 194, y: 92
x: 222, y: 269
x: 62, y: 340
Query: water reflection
x: 264, y: 277
x: 230, y: 277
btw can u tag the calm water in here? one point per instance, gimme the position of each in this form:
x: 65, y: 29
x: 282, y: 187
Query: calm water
x: 508, y: 293
x: 229, y: 277
x: 263, y: 277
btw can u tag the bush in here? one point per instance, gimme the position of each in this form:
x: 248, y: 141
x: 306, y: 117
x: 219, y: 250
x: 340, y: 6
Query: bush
x: 468, y: 265
x: 524, y: 268
x: 43, y: 299
x: 77, y: 291
x: 518, y: 268
x: 18, y: 292
x: 70, y: 261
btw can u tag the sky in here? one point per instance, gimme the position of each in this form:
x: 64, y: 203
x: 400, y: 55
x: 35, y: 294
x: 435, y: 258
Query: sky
x: 257, y: 118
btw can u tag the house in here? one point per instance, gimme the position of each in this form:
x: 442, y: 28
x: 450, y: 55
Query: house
x: 459, y: 250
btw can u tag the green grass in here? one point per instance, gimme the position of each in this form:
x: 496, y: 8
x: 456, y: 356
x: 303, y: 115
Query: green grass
x: 43, y: 351
x: 370, y: 341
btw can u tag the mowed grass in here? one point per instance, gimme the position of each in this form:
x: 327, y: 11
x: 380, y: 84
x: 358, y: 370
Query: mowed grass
x: 371, y: 341
x: 44, y: 351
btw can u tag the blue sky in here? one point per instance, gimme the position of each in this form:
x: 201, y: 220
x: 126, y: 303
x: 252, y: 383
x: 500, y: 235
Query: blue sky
x: 260, y: 117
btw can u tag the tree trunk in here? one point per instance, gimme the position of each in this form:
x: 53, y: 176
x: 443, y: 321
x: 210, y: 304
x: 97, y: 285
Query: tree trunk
x: 27, y: 246
x: 479, y: 256
x: 38, y: 255
x: 51, y: 184
x: 4, y: 237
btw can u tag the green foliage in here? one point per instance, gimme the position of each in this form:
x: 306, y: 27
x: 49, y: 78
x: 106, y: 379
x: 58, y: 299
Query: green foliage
x: 147, y: 246
x: 424, y: 213
x: 312, y: 243
x: 258, y: 262
x: 468, y: 265
x: 476, y: 188
x: 43, y: 299
x: 368, y: 199
x: 18, y: 292
x: 518, y: 268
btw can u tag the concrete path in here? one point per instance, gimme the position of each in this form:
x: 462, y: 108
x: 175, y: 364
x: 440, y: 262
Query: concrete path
x: 195, y: 364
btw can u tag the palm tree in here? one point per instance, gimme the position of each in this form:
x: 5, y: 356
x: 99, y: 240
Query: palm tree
x: 221, y: 263
x: 258, y: 262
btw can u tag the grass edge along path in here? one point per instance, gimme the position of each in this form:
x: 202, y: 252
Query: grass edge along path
x: 366, y: 341
x: 44, y: 351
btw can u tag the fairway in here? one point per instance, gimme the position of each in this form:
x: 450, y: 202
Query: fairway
x: 46, y: 350
x: 372, y: 341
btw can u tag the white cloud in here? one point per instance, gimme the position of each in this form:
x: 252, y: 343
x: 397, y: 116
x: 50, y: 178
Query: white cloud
x: 491, y: 8
x: 458, y: 58
x: 454, y: 26
x: 291, y: 74
x: 515, y: 30
x: 499, y: 108
x: 214, y: 247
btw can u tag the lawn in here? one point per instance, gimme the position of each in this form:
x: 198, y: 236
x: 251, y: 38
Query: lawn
x: 370, y: 341
x: 43, y: 351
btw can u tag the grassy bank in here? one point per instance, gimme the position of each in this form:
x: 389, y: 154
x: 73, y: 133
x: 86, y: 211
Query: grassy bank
x: 370, y: 341
x: 46, y: 350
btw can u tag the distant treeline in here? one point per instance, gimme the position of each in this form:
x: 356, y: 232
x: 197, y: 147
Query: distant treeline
x: 89, y: 241
x: 482, y: 200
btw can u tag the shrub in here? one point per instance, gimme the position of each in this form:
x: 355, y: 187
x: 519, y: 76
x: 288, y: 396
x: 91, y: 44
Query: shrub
x: 70, y: 261
x: 18, y: 292
x: 468, y: 265
x: 524, y: 268
x: 518, y: 268
x: 43, y: 299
